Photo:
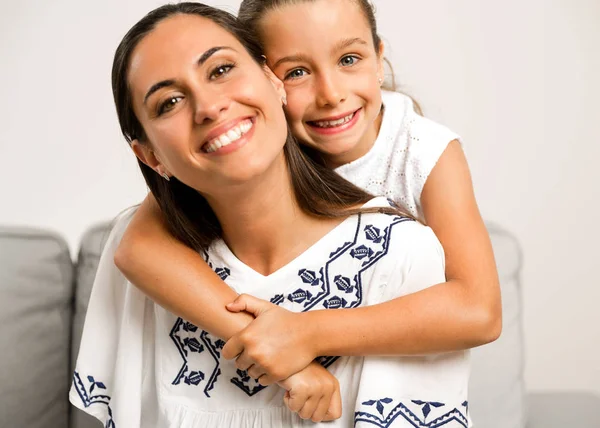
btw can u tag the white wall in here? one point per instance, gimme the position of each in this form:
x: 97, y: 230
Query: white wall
x: 518, y: 80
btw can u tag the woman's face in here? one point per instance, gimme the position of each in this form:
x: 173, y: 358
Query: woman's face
x: 212, y: 116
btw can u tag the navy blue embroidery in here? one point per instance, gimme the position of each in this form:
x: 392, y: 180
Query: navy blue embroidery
x: 387, y: 413
x: 299, y: 296
x: 214, y: 347
x: 343, y: 284
x: 196, y: 344
x: 373, y: 234
x: 379, y: 404
x: 278, y: 299
x: 335, y: 303
x: 310, y: 277
x: 88, y: 399
x: 426, y: 406
x: 223, y: 273
x: 327, y: 286
x: 361, y: 252
x: 246, y: 383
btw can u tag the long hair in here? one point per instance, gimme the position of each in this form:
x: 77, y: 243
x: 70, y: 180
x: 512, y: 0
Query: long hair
x: 318, y: 190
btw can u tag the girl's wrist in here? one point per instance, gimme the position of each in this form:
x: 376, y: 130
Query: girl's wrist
x: 313, y: 336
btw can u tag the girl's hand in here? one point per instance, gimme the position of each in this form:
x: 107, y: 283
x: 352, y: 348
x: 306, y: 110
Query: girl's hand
x: 274, y: 346
x: 313, y: 393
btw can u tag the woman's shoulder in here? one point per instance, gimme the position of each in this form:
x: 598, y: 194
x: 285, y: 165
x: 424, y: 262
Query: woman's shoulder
x: 406, y: 233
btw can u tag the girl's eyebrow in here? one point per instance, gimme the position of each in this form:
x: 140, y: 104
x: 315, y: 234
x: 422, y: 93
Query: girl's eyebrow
x: 169, y: 82
x: 290, y: 58
x: 345, y: 43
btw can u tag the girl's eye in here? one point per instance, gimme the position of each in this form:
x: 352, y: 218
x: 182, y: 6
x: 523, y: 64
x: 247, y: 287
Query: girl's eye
x: 349, y: 60
x: 221, y: 71
x: 295, y: 74
x: 168, y: 105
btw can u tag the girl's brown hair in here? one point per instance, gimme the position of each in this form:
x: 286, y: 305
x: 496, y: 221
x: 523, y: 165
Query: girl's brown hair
x: 252, y: 11
x: 318, y: 190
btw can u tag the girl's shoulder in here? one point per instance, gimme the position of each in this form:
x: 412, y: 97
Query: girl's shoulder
x: 406, y: 124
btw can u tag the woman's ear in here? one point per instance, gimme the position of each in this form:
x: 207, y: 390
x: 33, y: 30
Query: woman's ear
x: 146, y: 155
x: 276, y: 82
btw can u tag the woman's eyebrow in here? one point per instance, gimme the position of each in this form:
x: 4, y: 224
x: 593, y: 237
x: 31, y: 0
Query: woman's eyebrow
x: 169, y: 82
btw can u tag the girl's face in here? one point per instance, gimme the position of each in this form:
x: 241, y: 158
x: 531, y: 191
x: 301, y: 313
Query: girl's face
x: 211, y: 114
x: 323, y: 52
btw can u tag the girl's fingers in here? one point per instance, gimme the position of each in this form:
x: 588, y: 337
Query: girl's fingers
x: 242, y: 362
x: 255, y: 371
x: 309, y: 407
x: 266, y: 380
x: 335, y: 406
x: 296, y: 401
x: 321, y: 409
x: 248, y: 303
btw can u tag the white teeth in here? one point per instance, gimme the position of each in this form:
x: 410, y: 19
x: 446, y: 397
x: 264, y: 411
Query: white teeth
x: 229, y: 137
x: 234, y: 135
x: 334, y: 123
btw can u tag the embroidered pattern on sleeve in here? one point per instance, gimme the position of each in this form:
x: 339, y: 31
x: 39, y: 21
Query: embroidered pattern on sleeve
x: 387, y: 412
x: 88, y: 398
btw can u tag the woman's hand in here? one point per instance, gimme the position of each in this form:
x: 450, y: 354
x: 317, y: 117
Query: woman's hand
x: 276, y: 345
x: 313, y: 393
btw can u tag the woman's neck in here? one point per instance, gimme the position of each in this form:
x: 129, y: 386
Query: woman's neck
x: 262, y: 223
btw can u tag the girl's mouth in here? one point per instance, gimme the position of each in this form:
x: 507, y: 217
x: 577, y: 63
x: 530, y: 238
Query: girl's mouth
x: 336, y: 125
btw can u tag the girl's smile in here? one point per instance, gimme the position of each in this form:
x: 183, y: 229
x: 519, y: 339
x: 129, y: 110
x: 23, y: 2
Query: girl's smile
x: 336, y: 124
x: 326, y: 57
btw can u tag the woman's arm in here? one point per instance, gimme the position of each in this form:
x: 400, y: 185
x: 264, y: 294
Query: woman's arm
x: 175, y: 276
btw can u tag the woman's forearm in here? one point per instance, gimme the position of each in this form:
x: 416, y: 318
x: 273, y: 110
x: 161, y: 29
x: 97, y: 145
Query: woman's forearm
x: 441, y: 318
x: 175, y: 276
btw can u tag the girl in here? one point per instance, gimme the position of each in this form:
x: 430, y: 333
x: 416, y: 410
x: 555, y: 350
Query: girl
x: 184, y: 78
x: 330, y: 58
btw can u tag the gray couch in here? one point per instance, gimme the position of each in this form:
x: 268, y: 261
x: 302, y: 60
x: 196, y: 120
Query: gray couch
x: 43, y: 299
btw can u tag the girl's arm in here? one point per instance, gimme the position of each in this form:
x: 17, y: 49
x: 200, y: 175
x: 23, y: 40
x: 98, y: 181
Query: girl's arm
x: 178, y: 279
x: 174, y: 275
x: 461, y: 313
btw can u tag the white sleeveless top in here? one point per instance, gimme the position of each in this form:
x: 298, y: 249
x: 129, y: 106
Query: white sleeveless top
x: 406, y: 150
x: 140, y: 366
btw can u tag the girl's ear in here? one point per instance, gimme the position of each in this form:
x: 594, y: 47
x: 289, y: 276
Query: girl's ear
x: 276, y: 82
x: 380, y: 62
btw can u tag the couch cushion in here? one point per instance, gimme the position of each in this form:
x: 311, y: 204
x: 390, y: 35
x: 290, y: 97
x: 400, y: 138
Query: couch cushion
x: 90, y: 250
x: 36, y: 285
x: 496, y: 394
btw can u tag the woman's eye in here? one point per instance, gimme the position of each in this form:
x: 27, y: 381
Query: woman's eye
x: 295, y: 74
x: 220, y: 71
x: 168, y: 105
x: 349, y: 60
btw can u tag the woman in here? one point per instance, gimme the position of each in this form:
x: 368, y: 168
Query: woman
x: 186, y: 79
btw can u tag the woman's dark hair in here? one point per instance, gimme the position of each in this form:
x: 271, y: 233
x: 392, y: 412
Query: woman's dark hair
x: 319, y: 191
x: 252, y: 11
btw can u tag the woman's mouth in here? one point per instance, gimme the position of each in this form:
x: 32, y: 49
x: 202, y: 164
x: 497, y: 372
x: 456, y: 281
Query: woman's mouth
x: 332, y: 126
x: 228, y: 137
